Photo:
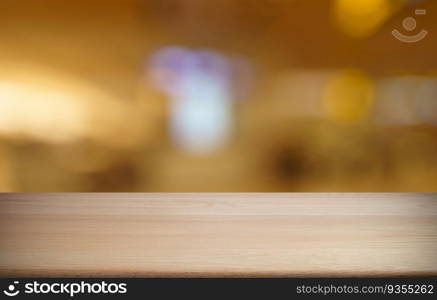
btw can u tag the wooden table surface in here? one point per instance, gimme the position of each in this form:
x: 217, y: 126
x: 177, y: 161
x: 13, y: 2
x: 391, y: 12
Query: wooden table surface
x: 218, y: 234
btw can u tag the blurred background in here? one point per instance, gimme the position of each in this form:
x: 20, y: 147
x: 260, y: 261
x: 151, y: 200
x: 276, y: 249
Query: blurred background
x: 217, y: 96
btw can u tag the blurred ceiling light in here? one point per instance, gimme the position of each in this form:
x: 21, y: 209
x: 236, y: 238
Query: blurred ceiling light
x: 349, y: 96
x: 362, y: 18
x: 199, y: 84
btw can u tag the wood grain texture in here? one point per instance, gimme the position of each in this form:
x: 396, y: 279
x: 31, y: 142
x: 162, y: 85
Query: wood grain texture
x: 218, y: 234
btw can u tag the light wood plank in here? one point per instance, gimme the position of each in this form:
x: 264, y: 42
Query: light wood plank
x: 218, y: 234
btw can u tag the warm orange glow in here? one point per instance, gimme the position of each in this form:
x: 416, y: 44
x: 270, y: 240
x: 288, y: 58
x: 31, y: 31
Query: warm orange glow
x: 55, y: 108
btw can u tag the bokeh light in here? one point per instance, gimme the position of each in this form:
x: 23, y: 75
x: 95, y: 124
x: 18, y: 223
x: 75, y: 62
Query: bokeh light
x: 361, y: 18
x: 200, y: 88
x: 217, y: 96
x: 41, y: 113
x: 349, y: 96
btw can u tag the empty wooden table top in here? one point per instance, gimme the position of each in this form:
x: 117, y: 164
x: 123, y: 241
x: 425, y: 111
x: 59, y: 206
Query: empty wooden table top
x: 218, y: 234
